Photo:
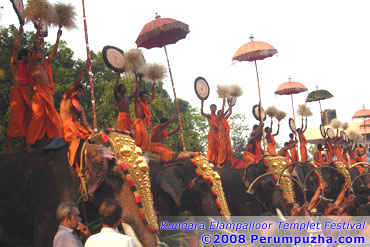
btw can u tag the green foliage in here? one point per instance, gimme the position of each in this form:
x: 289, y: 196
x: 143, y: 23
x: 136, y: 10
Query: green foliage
x: 238, y: 134
x: 66, y: 69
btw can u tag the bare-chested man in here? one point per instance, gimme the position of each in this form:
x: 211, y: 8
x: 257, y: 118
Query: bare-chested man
x: 303, y: 141
x: 124, y: 121
x: 142, y: 114
x: 284, y: 151
x: 70, y: 111
x: 253, y: 151
x: 158, y: 133
x: 225, y: 152
x: 19, y: 100
x: 271, y: 143
x: 213, y: 137
x: 293, y: 149
x: 45, y: 119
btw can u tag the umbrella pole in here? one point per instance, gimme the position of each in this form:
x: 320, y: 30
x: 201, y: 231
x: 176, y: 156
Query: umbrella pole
x: 90, y: 72
x: 260, y: 104
x: 176, y: 102
x: 365, y: 141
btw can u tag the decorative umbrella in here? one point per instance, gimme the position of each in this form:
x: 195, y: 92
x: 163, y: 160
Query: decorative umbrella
x: 159, y: 33
x: 290, y: 88
x: 363, y: 113
x: 317, y: 95
x: 253, y: 51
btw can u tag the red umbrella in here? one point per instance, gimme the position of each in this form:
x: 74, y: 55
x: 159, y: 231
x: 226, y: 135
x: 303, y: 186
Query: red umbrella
x: 159, y: 33
x: 363, y: 113
x: 290, y: 88
x: 253, y: 51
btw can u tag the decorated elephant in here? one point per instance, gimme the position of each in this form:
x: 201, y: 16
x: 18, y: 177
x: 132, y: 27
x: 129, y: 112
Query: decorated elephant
x: 33, y: 184
x: 187, y: 185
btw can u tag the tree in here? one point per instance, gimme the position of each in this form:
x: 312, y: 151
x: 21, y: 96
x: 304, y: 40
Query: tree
x: 238, y: 134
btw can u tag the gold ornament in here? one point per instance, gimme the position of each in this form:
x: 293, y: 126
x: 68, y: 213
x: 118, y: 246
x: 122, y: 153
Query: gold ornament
x: 342, y: 169
x: 127, y: 152
x: 277, y: 164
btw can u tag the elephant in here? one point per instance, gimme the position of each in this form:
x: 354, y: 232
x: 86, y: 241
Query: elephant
x: 177, y: 189
x: 33, y: 184
x: 266, y: 195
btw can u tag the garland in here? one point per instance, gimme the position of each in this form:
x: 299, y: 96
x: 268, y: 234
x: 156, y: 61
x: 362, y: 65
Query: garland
x: 129, y: 179
x: 207, y: 178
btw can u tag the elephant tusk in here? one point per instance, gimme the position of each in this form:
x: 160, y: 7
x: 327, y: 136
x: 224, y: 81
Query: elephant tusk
x: 130, y: 232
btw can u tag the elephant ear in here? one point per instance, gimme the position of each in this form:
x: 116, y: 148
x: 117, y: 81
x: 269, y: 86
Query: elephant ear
x: 97, y: 157
x: 171, y: 182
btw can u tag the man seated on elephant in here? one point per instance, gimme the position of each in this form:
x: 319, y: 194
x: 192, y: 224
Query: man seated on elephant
x: 284, y: 152
x: 225, y: 152
x: 70, y: 111
x: 253, y: 151
x: 317, y: 157
x: 213, y: 135
x: 271, y: 143
x: 69, y: 220
x: 110, y: 213
x: 158, y: 133
x: 124, y: 121
x: 45, y: 119
x: 142, y: 114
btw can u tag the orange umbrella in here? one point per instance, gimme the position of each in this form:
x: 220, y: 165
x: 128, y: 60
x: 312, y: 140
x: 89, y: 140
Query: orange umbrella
x: 159, y: 33
x: 253, y: 51
x: 363, y: 113
x: 290, y: 88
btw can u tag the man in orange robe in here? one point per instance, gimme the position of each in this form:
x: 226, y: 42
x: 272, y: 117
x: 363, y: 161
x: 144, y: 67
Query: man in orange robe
x: 253, y: 153
x: 19, y: 100
x: 158, y: 133
x: 284, y: 152
x: 329, y: 150
x: 124, y: 121
x: 293, y: 150
x: 317, y: 158
x: 70, y: 112
x: 213, y: 135
x: 225, y: 149
x: 302, y: 145
x: 271, y: 143
x: 142, y: 113
x: 45, y: 119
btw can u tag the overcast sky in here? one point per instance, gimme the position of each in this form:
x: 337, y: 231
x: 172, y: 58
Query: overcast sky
x: 318, y: 42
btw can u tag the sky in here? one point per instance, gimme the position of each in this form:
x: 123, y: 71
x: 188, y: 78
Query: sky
x: 323, y: 43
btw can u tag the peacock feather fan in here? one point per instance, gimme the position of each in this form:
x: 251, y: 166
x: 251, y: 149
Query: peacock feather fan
x: 304, y: 111
x: 223, y: 91
x: 134, y: 61
x: 235, y: 90
x: 345, y: 126
x: 155, y: 72
x: 280, y: 115
x: 335, y: 123
x: 271, y: 111
x: 355, y: 137
x: 66, y: 15
x: 40, y: 10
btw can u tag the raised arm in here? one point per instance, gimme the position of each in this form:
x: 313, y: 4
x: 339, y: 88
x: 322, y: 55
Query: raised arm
x: 52, y: 54
x: 165, y: 124
x: 229, y: 111
x: 305, y: 127
x: 36, y: 43
x: 77, y: 81
x: 154, y: 90
x: 137, y: 88
x: 116, y: 93
x: 277, y: 132
x: 14, y: 58
x: 202, y: 112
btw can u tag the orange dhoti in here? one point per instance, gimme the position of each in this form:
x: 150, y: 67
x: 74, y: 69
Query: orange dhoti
x: 338, y: 153
x: 249, y: 158
x: 165, y: 152
x: 225, y: 152
x: 45, y: 119
x: 294, y: 154
x: 141, y: 137
x: 213, y: 146
x: 271, y: 149
x: 20, y: 111
x: 303, y: 149
x: 124, y: 121
x: 73, y: 133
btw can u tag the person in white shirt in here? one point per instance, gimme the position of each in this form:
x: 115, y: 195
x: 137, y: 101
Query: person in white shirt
x: 69, y: 220
x: 110, y: 213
